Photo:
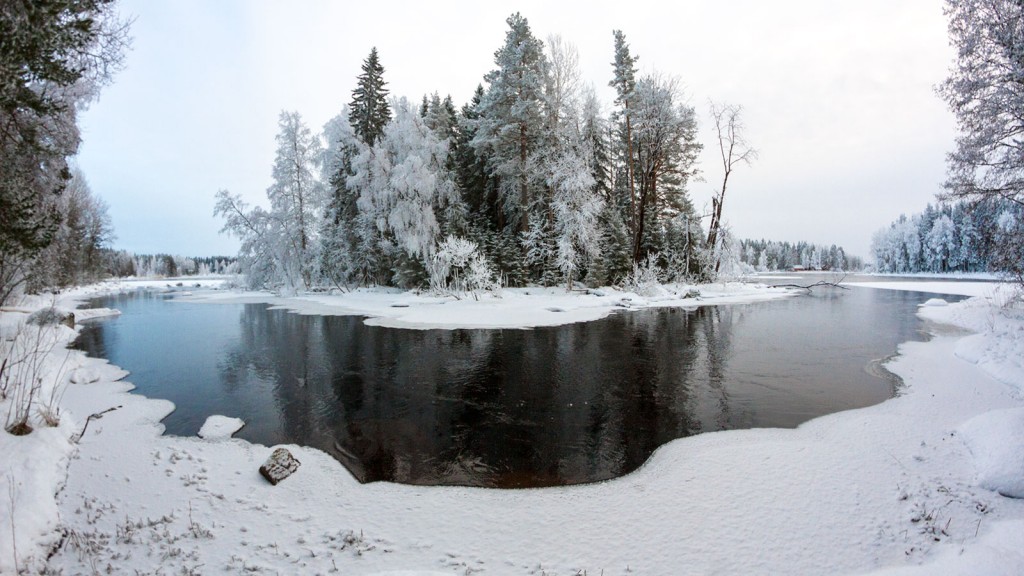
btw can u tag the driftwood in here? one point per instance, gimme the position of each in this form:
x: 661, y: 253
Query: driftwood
x: 810, y: 287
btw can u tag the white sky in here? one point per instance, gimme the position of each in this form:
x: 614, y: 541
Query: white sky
x: 838, y: 99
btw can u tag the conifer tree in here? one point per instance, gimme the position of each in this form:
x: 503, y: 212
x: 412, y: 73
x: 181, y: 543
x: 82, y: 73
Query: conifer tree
x: 369, y: 111
x: 511, y: 125
x: 624, y: 82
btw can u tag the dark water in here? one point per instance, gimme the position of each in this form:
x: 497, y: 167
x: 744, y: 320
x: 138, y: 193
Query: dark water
x: 506, y: 408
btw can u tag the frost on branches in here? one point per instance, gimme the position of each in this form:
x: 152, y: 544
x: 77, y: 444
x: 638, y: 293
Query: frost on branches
x: 529, y: 183
x: 985, y: 93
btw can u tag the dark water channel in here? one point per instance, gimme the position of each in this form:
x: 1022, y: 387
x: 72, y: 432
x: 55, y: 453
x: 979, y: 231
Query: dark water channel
x: 505, y: 408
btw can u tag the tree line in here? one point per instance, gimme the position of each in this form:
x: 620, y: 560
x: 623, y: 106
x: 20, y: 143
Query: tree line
x: 527, y: 183
x: 952, y: 237
x: 122, y: 263
x: 766, y: 255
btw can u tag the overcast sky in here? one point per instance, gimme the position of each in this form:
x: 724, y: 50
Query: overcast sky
x: 838, y: 99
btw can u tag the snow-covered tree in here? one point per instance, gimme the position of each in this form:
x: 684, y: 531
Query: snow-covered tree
x: 349, y: 252
x: 510, y: 127
x: 940, y: 245
x: 369, y: 107
x: 624, y: 82
x: 258, y: 255
x: 279, y: 246
x: 985, y: 93
x: 576, y: 207
x: 297, y: 198
x: 55, y: 56
x: 75, y: 255
x: 666, y: 148
x: 404, y: 185
x: 458, y: 265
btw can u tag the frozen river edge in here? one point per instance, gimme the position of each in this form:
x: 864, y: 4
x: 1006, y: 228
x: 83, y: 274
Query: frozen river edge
x: 887, y: 486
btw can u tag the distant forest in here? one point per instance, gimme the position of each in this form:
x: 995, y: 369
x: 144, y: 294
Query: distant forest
x: 765, y: 255
x: 960, y: 237
x: 122, y: 263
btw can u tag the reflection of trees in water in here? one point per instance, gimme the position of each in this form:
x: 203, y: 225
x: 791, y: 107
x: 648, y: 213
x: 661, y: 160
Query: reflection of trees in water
x: 711, y: 407
x: 492, y: 407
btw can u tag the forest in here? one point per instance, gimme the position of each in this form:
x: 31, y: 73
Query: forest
x: 527, y: 183
x: 979, y: 236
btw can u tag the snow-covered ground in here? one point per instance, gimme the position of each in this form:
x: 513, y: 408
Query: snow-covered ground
x: 508, y: 308
x: 910, y: 486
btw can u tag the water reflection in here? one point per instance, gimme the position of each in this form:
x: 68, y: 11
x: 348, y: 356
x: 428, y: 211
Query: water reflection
x: 485, y: 407
x: 506, y: 408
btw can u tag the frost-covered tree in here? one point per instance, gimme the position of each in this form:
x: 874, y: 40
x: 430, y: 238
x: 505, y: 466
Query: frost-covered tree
x: 576, y: 207
x: 985, y: 92
x: 279, y: 246
x: 666, y: 149
x: 940, y: 245
x: 460, y: 266
x: 624, y: 82
x: 258, y: 256
x: 55, y: 56
x: 404, y: 184
x: 76, y: 254
x: 349, y: 253
x: 297, y: 198
x: 510, y: 128
x: 986, y: 95
x: 369, y: 111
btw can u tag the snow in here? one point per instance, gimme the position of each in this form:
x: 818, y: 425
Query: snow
x: 219, y: 427
x: 507, y: 308
x: 959, y: 288
x: 890, y: 489
x: 996, y: 442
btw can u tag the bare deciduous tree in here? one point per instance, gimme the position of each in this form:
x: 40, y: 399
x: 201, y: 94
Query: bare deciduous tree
x: 735, y: 150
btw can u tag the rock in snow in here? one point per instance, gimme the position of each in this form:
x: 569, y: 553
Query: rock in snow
x: 935, y: 302
x: 279, y: 466
x: 996, y: 441
x: 220, y: 427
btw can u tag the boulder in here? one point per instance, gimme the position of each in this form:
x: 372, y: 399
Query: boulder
x: 279, y: 466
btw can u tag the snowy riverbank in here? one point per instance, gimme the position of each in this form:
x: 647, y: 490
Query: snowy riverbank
x: 506, y: 308
x: 894, y: 487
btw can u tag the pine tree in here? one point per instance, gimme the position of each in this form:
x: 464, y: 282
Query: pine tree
x: 369, y: 111
x: 510, y: 129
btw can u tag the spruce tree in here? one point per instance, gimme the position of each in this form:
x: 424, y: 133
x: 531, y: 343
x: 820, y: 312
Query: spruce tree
x: 511, y: 125
x: 369, y: 111
x: 624, y: 82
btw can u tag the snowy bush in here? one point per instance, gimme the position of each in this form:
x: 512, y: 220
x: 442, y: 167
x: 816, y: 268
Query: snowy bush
x: 458, y: 266
x: 25, y: 377
x: 645, y: 278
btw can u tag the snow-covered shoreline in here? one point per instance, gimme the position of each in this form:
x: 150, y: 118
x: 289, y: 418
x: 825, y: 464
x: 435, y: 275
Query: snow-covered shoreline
x: 884, y: 487
x: 507, y: 308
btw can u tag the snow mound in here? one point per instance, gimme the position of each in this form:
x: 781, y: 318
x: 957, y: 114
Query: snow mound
x: 220, y: 427
x: 935, y: 302
x: 996, y: 442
